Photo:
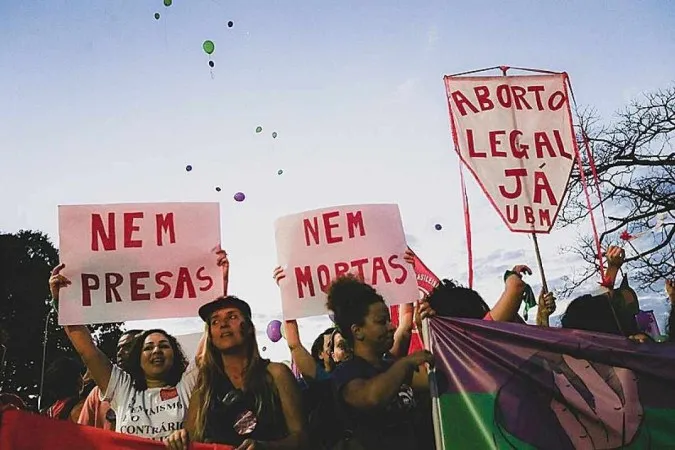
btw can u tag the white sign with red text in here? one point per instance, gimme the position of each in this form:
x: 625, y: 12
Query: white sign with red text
x: 138, y: 261
x: 316, y: 247
x: 515, y: 135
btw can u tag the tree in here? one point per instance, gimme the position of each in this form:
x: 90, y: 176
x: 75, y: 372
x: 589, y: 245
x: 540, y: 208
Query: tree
x: 635, y: 164
x: 26, y: 259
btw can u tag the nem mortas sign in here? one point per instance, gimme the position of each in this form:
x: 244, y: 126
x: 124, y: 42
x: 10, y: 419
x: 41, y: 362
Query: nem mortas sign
x: 315, y: 247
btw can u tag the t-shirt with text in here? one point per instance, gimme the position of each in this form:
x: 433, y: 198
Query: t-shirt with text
x: 154, y: 413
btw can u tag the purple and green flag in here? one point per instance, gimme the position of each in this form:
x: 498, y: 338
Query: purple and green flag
x: 511, y: 386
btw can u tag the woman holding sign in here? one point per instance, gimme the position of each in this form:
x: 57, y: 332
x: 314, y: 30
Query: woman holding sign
x: 376, y: 394
x: 241, y: 399
x: 151, y: 400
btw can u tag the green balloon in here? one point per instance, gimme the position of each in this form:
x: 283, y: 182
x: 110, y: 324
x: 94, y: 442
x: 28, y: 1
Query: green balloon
x: 157, y: 16
x: 258, y: 129
x: 168, y: 2
x: 208, y: 47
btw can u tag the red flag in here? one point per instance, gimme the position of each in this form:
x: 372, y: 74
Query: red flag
x: 20, y: 430
x: 427, y: 281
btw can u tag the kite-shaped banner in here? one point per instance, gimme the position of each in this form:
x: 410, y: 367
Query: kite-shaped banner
x: 515, y: 135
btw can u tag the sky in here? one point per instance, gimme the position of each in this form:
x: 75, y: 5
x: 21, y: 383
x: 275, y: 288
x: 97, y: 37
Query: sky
x: 104, y: 104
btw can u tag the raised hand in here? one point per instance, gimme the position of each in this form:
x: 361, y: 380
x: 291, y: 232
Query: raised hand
x: 409, y: 257
x: 547, y: 303
x: 670, y: 290
x: 521, y: 269
x: 278, y: 274
x: 224, y: 263
x: 615, y: 256
x: 515, y: 281
x: 57, y: 281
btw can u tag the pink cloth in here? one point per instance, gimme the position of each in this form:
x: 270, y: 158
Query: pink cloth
x: 488, y: 316
x: 94, y: 411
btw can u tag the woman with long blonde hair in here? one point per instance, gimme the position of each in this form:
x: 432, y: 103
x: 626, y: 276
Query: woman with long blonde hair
x: 240, y: 399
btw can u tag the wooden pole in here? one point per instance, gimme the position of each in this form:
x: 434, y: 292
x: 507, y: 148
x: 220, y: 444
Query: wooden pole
x: 541, y: 266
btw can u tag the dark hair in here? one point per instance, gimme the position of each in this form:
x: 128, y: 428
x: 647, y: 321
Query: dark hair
x: 131, y: 332
x: 596, y: 313
x: 133, y: 364
x: 350, y: 298
x: 63, y: 378
x: 317, y: 346
x: 450, y: 299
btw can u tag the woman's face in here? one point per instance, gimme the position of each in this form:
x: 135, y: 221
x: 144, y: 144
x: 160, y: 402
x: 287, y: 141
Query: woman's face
x: 340, y: 350
x: 377, y: 330
x: 156, y: 355
x: 227, y: 328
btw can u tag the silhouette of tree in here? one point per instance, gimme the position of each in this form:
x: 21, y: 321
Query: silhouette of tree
x: 26, y: 259
x: 635, y: 164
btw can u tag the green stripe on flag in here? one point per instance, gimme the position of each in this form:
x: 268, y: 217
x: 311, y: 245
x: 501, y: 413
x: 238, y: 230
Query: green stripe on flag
x: 467, y: 422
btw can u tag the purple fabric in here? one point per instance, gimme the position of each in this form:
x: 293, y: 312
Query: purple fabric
x: 556, y: 388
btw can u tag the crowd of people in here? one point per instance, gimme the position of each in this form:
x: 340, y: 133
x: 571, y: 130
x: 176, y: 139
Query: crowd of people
x: 358, y: 387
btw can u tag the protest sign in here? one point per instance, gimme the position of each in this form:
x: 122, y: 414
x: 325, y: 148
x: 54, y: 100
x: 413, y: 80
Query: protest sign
x: 315, y: 247
x: 515, y: 135
x: 427, y: 281
x: 138, y: 261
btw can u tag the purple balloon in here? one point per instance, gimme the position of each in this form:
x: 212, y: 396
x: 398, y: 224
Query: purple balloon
x: 274, y: 330
x: 239, y: 196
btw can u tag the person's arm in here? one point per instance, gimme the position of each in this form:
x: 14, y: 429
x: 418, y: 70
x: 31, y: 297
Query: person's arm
x: 302, y: 358
x: 403, y: 332
x: 191, y: 416
x: 224, y: 265
x: 670, y: 291
x: 615, y: 258
x: 180, y: 439
x: 96, y: 361
x: 546, y: 307
x: 509, y: 302
x: 376, y: 392
x: 291, y: 406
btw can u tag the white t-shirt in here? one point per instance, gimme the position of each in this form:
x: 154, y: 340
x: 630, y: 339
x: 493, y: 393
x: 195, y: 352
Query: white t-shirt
x: 154, y: 413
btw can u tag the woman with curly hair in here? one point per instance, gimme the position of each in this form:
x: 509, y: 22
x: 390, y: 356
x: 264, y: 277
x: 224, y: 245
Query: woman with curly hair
x: 375, y: 393
x: 241, y: 399
x: 151, y: 397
